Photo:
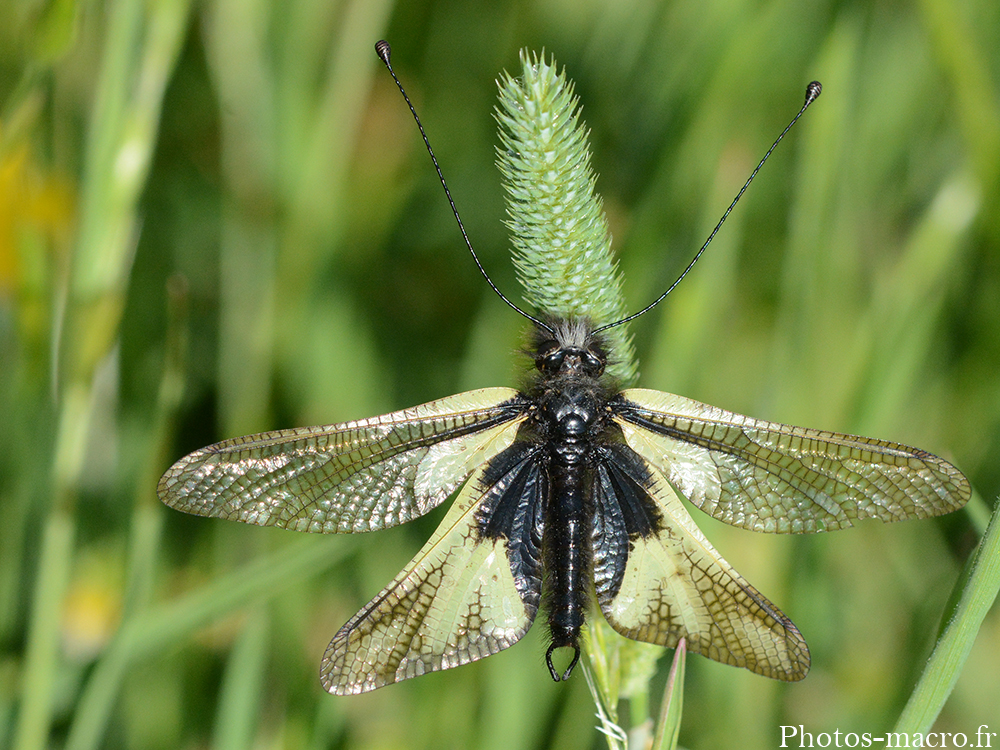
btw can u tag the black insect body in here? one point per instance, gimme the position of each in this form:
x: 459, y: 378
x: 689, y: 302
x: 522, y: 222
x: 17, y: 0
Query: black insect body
x: 570, y: 423
x: 590, y: 499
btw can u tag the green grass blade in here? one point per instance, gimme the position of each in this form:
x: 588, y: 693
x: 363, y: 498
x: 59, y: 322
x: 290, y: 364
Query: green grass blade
x: 159, y: 627
x: 669, y: 725
x: 979, y: 592
x: 242, y: 687
x: 41, y: 655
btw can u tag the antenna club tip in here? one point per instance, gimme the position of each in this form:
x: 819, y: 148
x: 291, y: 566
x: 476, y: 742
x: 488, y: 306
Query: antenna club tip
x: 813, y: 90
x: 383, y: 50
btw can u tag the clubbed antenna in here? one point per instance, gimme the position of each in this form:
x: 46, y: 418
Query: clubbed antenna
x: 384, y: 51
x: 813, y: 90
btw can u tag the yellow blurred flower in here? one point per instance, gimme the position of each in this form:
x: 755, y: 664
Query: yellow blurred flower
x: 36, y: 219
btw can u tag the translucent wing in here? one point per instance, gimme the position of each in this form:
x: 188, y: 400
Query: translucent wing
x: 473, y: 590
x: 659, y: 579
x: 350, y: 477
x: 772, y: 477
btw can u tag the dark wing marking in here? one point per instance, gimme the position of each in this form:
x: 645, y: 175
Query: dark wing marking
x: 658, y: 579
x: 513, y: 509
x: 350, y: 477
x: 772, y: 477
x: 465, y: 596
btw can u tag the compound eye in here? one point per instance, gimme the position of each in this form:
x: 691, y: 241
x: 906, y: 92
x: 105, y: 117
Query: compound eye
x: 550, y: 361
x: 593, y: 363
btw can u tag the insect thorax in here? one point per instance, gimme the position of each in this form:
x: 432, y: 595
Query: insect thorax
x: 570, y: 389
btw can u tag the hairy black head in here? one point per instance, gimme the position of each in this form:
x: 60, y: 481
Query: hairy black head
x: 570, y: 350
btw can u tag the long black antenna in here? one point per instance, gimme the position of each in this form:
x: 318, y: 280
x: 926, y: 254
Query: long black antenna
x: 812, y: 92
x: 383, y: 50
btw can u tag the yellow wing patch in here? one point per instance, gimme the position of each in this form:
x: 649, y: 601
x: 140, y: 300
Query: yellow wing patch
x: 455, y: 602
x: 676, y: 585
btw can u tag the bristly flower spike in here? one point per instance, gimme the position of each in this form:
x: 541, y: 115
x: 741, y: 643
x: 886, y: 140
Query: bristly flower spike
x: 561, y: 240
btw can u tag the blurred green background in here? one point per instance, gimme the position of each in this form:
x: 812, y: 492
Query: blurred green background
x: 216, y: 218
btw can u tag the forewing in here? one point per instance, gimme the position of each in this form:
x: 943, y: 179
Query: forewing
x: 462, y: 598
x: 350, y: 477
x: 658, y: 579
x: 772, y: 477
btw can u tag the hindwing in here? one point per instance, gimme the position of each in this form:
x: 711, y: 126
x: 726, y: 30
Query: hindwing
x: 658, y: 578
x: 473, y: 589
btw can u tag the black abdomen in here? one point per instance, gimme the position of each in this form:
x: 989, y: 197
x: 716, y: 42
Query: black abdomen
x: 567, y: 554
